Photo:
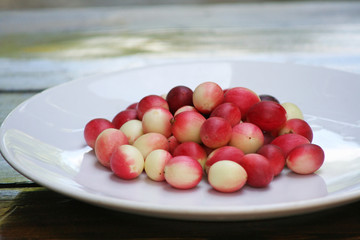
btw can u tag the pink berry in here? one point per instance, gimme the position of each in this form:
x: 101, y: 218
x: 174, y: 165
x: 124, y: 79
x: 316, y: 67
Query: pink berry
x: 148, y: 102
x: 179, y: 96
x: 227, y: 176
x: 173, y: 143
x: 127, y: 162
x: 289, y: 141
x: 132, y: 129
x: 155, y: 164
x: 149, y: 142
x: 207, y: 96
x: 243, y: 97
x: 191, y: 149
x: 184, y: 109
x: 215, y: 132
x: 228, y: 111
x: 267, y: 115
x: 157, y: 119
x: 93, y: 128
x: 275, y: 156
x: 247, y: 137
x: 106, y: 142
x: 299, y: 126
x: 124, y: 116
x: 305, y: 159
x: 223, y: 153
x: 186, y: 126
x: 183, y: 172
x: 258, y: 169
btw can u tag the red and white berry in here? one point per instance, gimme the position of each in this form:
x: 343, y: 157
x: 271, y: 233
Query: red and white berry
x: 247, y: 137
x: 193, y: 150
x: 106, y: 143
x: 127, y: 162
x: 155, y: 163
x: 93, y: 128
x: 186, y: 126
x: 227, y: 176
x: 229, y: 111
x: 298, y: 126
x: 132, y: 129
x: 157, y: 119
x: 258, y: 168
x: 223, y: 153
x: 305, y: 159
x: 148, y: 102
x: 215, y: 132
x: 289, y: 141
x: 149, y: 142
x: 207, y: 96
x: 275, y: 156
x: 183, y: 172
x: 243, y: 97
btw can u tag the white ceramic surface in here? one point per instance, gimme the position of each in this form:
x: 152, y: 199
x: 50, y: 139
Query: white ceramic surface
x: 43, y: 139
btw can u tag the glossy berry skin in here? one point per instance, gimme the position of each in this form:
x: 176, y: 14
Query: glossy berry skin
x: 106, y: 142
x: 148, y: 102
x: 124, y: 116
x: 305, y: 159
x: 93, y: 128
x: 243, y: 97
x: 155, y: 163
x: 298, y: 126
x: 127, y: 162
x: 173, y: 143
x: 228, y: 111
x: 157, y: 119
x: 215, y: 132
x: 186, y: 126
x: 183, y: 172
x: 178, y: 97
x: 184, y: 109
x: 258, y: 169
x: 193, y: 150
x: 247, y: 137
x: 149, y: 142
x: 289, y: 141
x: 207, y: 96
x: 227, y: 176
x: 267, y: 115
x: 275, y: 156
x: 223, y: 153
x: 132, y: 129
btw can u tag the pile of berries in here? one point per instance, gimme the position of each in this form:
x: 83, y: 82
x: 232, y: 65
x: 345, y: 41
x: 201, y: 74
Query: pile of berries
x: 232, y: 136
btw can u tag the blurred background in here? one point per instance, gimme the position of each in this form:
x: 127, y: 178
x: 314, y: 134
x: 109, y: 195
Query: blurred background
x: 45, y: 43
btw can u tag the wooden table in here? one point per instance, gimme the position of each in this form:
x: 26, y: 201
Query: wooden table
x: 43, y: 47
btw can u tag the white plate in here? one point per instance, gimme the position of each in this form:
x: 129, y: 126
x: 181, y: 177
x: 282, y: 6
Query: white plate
x: 43, y: 139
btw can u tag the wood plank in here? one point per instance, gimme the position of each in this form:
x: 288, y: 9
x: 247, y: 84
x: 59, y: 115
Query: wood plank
x: 43, y: 214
